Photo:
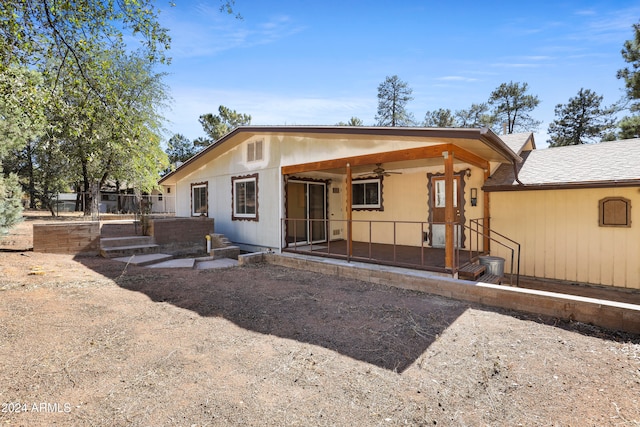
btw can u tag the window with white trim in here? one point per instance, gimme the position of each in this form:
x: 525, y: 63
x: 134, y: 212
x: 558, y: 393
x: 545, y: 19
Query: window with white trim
x: 199, y: 199
x: 254, y: 151
x: 366, y: 194
x: 245, y: 197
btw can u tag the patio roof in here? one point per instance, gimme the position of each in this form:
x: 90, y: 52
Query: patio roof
x: 472, y: 145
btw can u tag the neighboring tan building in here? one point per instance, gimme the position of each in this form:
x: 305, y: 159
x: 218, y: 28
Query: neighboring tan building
x: 575, y: 211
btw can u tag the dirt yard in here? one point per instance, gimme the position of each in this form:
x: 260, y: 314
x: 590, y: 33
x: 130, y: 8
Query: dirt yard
x: 89, y: 341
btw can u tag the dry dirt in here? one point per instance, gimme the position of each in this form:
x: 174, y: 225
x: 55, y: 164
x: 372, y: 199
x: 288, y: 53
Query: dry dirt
x: 89, y: 341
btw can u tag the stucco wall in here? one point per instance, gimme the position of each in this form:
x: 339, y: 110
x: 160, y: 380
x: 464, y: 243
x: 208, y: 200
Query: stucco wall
x: 405, y: 198
x: 561, y: 238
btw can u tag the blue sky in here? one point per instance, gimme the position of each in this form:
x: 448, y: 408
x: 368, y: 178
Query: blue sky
x: 320, y: 62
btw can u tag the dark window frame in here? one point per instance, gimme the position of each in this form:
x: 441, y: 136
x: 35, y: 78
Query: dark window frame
x: 244, y: 216
x: 367, y: 206
x: 614, y: 212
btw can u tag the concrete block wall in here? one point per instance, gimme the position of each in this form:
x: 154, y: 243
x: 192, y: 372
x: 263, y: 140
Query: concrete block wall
x: 178, y: 235
x: 67, y: 238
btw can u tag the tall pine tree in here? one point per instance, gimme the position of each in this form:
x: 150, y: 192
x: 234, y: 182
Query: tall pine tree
x: 582, y: 120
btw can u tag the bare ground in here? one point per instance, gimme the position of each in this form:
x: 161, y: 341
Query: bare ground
x: 89, y: 341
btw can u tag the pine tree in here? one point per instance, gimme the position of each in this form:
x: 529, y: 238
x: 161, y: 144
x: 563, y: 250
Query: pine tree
x: 393, y: 95
x: 10, y: 202
x: 512, y: 105
x: 630, y: 125
x: 440, y: 118
x: 582, y: 120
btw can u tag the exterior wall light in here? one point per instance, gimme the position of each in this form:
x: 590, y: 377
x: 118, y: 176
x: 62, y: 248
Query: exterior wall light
x: 474, y: 197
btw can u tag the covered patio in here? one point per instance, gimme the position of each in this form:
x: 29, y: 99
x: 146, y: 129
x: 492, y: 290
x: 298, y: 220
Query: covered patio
x: 449, y: 155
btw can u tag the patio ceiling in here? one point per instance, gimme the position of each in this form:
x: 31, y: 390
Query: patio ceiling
x: 476, y: 147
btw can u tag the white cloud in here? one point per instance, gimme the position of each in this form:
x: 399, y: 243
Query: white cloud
x: 214, y: 32
x: 457, y: 79
x: 514, y: 65
x: 612, y: 27
x: 536, y: 58
x: 265, y: 108
x: 586, y: 12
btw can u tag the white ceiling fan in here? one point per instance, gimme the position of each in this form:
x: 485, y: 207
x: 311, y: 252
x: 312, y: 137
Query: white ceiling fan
x: 380, y: 171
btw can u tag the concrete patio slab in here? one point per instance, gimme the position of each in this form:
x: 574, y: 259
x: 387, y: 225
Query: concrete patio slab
x: 175, y: 263
x: 144, y: 259
x: 217, y: 263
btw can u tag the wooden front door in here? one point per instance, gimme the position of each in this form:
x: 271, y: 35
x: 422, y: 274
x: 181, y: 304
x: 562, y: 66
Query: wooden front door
x: 437, y: 205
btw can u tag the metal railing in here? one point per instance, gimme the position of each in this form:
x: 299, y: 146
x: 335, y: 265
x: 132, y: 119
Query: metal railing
x: 373, y: 238
x: 478, y: 229
x: 399, y: 235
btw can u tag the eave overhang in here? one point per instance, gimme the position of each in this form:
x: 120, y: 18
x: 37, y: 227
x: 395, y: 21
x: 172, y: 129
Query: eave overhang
x: 563, y: 185
x: 464, y: 141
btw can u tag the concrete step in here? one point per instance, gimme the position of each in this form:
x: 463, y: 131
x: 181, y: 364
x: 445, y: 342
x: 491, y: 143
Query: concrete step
x: 144, y: 259
x: 219, y: 241
x: 231, y: 252
x: 125, y: 251
x: 113, y: 242
x: 175, y: 263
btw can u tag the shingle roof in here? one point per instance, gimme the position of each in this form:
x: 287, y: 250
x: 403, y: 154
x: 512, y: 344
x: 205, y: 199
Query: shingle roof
x: 517, y: 141
x: 606, y: 163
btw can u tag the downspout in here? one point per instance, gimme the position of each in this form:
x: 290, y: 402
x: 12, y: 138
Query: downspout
x: 515, y: 172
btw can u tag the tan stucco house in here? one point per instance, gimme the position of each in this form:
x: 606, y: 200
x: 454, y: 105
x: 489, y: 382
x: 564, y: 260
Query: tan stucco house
x: 426, y: 198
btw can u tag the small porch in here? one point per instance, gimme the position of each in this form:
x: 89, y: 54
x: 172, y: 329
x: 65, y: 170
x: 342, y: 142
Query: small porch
x: 422, y: 258
x: 419, y: 256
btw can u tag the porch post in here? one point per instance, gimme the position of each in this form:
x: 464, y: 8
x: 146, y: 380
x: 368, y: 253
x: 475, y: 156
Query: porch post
x: 349, y: 213
x: 486, y: 220
x: 449, y: 215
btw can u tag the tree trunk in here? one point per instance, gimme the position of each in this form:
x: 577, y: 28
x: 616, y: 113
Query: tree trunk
x: 95, y: 201
x: 32, y: 185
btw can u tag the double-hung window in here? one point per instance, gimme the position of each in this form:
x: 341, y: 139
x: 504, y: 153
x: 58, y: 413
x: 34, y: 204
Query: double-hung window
x: 199, y: 199
x: 245, y: 197
x: 367, y: 194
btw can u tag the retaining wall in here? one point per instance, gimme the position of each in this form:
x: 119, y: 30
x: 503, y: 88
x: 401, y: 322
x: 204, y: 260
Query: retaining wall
x: 181, y: 235
x: 603, y: 313
x: 67, y: 238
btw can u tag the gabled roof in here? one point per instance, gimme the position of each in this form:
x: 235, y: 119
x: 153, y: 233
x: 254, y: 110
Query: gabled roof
x: 518, y: 141
x: 607, y: 164
x: 480, y: 142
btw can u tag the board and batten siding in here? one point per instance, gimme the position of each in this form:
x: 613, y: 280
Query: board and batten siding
x: 561, y: 237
